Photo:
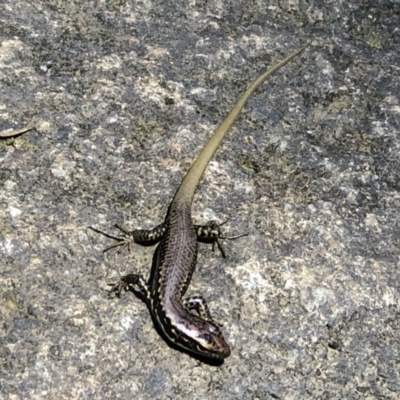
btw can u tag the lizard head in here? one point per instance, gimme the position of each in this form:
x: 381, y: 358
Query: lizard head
x: 204, y: 338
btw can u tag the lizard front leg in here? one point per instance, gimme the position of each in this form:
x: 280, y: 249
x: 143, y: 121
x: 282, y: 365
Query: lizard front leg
x: 132, y: 281
x: 198, y: 304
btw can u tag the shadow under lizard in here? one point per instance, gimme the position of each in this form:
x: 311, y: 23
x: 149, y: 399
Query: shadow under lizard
x: 186, y: 323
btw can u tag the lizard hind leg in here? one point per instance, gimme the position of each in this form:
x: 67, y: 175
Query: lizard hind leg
x: 211, y: 233
x: 144, y: 237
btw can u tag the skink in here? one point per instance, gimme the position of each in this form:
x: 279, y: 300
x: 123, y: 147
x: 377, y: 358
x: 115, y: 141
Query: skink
x: 185, y: 322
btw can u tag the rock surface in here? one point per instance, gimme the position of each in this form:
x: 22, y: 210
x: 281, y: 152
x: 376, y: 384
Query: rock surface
x: 123, y: 95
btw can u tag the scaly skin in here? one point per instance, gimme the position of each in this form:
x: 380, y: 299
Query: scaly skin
x: 176, y: 254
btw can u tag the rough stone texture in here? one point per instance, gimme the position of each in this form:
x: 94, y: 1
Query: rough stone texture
x: 123, y: 94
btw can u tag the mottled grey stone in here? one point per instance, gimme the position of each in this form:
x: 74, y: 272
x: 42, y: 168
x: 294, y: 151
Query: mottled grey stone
x: 123, y: 94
